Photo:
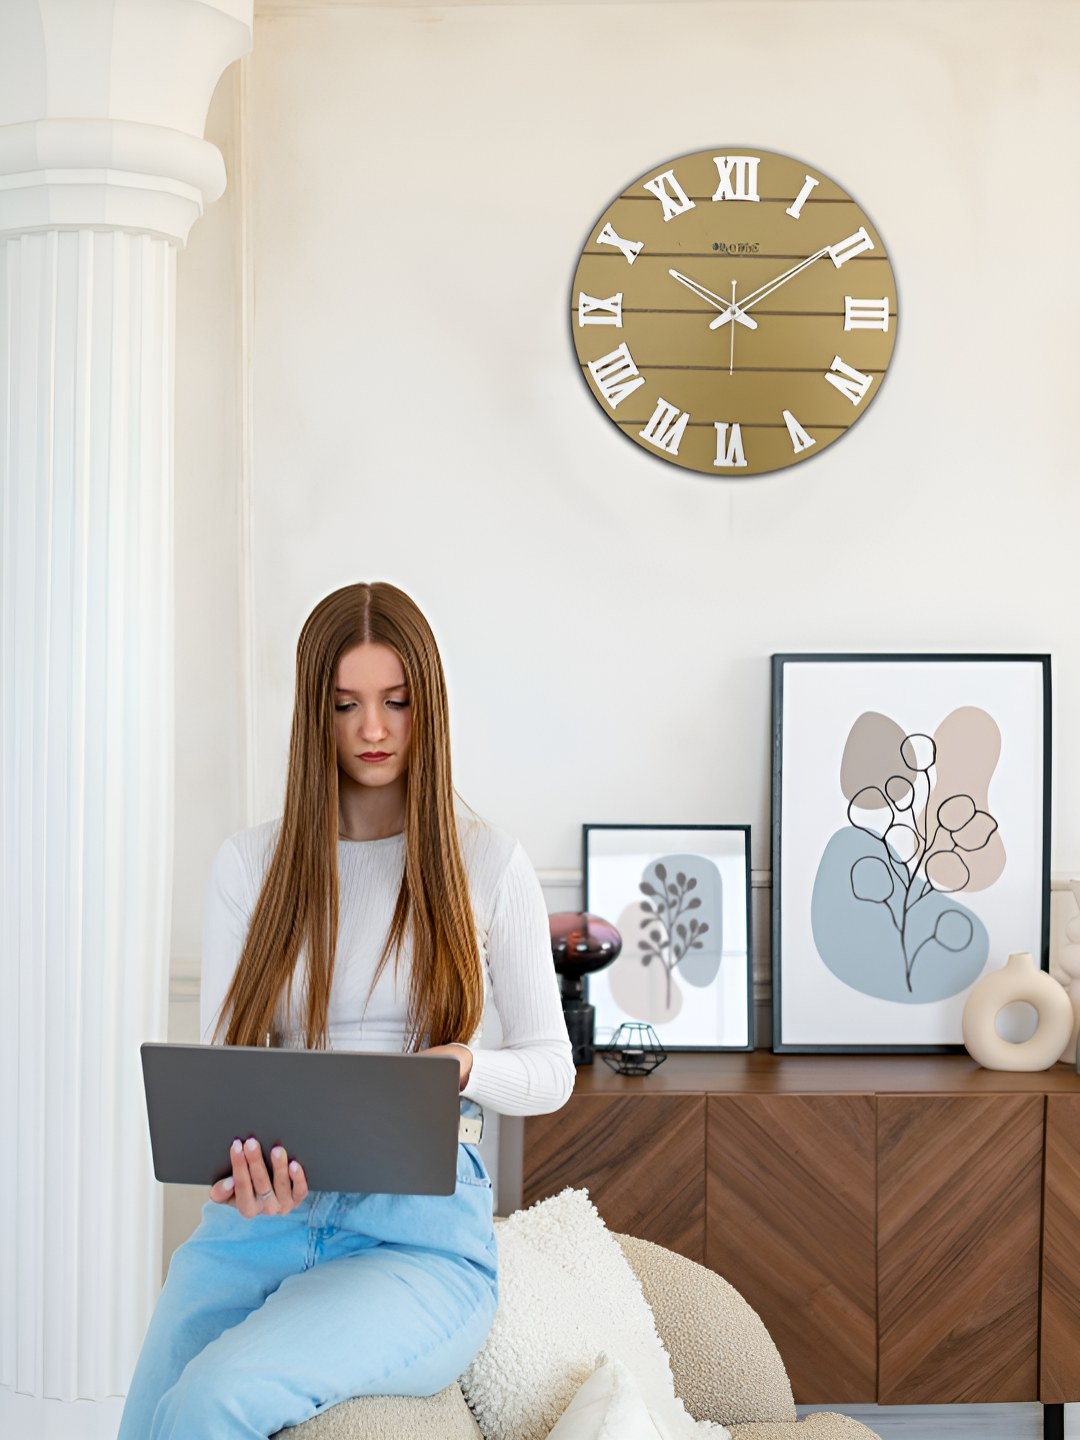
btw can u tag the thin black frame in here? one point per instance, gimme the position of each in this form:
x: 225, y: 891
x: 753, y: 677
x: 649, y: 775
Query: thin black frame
x: 745, y: 829
x: 778, y: 663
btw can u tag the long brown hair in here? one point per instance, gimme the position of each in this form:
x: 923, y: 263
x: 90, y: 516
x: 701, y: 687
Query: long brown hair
x: 297, y: 908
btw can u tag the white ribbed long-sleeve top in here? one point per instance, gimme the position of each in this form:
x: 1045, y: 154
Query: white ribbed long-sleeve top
x: 532, y: 1071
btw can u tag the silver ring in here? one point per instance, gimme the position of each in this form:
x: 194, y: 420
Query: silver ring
x: 266, y: 1196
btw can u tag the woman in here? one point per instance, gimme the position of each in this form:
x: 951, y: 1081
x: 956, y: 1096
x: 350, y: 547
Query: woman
x: 368, y: 917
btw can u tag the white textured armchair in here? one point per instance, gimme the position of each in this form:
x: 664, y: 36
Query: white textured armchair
x: 725, y: 1365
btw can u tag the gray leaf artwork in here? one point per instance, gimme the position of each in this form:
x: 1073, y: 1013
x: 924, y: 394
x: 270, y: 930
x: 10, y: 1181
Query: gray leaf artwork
x: 672, y: 937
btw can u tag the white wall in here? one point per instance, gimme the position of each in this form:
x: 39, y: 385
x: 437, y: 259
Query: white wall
x: 210, y: 750
x: 423, y: 182
x: 420, y: 183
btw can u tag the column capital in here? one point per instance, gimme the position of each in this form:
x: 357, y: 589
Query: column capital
x: 102, y: 110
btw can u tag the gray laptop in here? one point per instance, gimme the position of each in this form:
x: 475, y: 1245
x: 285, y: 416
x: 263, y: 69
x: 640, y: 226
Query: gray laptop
x: 356, y: 1120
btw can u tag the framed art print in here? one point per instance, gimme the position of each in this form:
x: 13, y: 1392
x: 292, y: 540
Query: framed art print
x: 910, y: 841
x: 679, y: 895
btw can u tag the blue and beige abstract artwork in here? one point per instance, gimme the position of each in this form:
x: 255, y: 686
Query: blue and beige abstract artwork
x: 916, y: 833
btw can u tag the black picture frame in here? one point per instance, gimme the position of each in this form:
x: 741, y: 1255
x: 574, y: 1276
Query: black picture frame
x: 613, y: 873
x: 801, y: 927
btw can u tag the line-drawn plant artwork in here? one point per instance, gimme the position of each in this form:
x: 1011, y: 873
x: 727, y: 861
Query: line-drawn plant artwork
x: 672, y: 932
x: 924, y: 843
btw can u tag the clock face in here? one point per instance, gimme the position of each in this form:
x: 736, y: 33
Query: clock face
x: 734, y: 312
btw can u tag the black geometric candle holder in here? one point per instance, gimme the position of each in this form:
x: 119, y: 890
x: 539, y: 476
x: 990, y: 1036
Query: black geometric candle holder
x: 634, y: 1050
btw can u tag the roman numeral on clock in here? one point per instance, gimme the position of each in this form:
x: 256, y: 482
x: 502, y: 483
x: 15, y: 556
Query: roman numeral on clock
x: 846, y: 250
x: 848, y: 381
x: 630, y: 248
x: 738, y: 177
x: 591, y: 311
x: 795, y: 208
x: 665, y: 428
x: 670, y: 193
x: 729, y: 448
x: 800, y: 440
x: 616, y: 375
x: 866, y: 314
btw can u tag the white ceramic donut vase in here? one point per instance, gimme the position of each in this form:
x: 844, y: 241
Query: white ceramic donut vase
x: 1065, y: 968
x: 1018, y: 980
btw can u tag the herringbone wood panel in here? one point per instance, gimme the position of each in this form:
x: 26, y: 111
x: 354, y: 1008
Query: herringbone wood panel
x: 1059, y: 1355
x: 641, y: 1158
x: 959, y: 1206
x: 791, y: 1225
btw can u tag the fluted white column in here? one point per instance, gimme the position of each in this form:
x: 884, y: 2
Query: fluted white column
x: 93, y: 204
x: 86, y: 655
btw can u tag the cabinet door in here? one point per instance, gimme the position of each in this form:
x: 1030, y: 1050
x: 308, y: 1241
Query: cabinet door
x: 790, y: 1223
x: 959, y: 1209
x: 1059, y: 1379
x: 641, y: 1158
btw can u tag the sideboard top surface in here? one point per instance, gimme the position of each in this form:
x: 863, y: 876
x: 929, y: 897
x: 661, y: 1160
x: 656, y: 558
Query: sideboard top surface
x: 762, y: 1072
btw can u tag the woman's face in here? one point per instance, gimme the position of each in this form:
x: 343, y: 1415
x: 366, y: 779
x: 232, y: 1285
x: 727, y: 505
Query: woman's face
x: 372, y: 718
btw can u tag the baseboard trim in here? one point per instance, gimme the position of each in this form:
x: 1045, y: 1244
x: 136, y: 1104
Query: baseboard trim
x: 953, y: 1422
x: 29, y: 1417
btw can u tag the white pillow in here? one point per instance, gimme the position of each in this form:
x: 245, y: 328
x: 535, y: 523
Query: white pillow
x: 566, y: 1293
x: 609, y: 1406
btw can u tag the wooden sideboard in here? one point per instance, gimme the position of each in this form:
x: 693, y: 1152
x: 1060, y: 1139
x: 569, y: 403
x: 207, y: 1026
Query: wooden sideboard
x: 907, y: 1226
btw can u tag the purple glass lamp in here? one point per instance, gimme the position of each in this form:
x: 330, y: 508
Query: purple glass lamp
x: 580, y: 945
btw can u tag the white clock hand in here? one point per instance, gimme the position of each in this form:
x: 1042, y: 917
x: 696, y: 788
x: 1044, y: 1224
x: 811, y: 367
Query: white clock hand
x: 766, y: 290
x: 731, y: 360
x: 732, y: 312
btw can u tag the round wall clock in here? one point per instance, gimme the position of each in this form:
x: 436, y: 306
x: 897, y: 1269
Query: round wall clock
x: 734, y: 312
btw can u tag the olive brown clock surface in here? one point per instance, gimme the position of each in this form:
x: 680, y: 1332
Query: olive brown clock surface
x: 734, y: 312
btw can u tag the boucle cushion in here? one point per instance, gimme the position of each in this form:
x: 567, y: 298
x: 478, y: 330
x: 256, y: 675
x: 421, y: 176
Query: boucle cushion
x: 822, y: 1425
x: 566, y: 1293
x: 444, y: 1416
x: 724, y: 1361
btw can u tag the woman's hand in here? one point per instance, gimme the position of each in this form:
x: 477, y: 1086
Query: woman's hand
x: 251, y: 1188
x: 460, y: 1053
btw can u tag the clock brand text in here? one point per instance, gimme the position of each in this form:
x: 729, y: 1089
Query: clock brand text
x: 738, y: 247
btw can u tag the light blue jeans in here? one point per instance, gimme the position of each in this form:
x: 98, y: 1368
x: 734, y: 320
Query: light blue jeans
x: 263, y: 1323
